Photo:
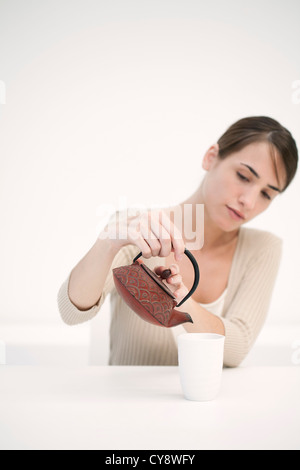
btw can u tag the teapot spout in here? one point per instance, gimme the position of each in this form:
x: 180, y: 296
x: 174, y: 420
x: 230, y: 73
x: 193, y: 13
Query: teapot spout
x: 177, y: 318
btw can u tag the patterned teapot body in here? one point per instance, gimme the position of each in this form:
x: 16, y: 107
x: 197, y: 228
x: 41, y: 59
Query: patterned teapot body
x: 146, y: 294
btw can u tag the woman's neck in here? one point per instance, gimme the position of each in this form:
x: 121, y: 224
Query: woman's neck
x: 214, y: 236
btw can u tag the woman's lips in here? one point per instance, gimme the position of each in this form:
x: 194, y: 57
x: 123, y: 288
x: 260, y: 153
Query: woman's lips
x: 234, y: 214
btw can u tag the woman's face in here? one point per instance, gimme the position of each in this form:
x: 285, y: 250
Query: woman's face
x: 241, y: 186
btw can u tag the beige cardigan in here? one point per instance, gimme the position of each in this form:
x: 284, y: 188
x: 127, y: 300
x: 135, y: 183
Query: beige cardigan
x: 136, y: 342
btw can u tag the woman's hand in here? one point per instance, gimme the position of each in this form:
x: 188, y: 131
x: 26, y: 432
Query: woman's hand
x: 173, y: 281
x: 152, y: 231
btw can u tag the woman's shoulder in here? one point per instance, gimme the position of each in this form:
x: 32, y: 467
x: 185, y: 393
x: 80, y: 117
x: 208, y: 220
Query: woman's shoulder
x: 254, y: 242
x: 259, y: 238
x: 256, y: 249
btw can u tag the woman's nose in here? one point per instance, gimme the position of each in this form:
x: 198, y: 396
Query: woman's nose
x: 248, y: 199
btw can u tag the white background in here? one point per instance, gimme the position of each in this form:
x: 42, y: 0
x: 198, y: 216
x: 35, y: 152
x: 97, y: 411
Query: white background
x: 111, y: 102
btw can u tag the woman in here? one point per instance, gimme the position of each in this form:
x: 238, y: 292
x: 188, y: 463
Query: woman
x: 251, y: 164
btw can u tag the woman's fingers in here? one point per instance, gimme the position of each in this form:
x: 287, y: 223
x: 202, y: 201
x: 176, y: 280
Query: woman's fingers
x: 152, y: 231
x: 161, y: 233
x: 175, y: 235
x: 156, y: 225
x: 171, y: 275
x: 174, y: 269
x: 173, y: 281
x: 151, y: 239
x: 181, y: 292
x: 135, y: 237
x: 155, y: 234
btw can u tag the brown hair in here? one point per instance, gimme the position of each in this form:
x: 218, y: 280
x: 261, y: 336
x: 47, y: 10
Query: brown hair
x: 262, y: 129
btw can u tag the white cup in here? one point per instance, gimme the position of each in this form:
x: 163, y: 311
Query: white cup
x: 200, y: 358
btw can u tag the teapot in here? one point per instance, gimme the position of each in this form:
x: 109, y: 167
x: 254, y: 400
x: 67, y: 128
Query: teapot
x: 146, y: 294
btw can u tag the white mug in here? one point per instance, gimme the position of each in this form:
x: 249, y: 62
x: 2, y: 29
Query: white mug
x: 200, y: 358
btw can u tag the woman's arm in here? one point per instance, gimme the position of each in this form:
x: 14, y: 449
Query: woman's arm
x: 203, y: 320
x: 82, y: 294
x: 69, y: 312
x: 88, y: 277
x: 248, y: 310
x: 246, y: 315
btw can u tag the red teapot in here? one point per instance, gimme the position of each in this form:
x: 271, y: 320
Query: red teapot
x: 146, y: 294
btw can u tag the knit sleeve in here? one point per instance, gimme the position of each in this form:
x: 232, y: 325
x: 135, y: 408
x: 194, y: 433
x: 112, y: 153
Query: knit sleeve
x: 248, y: 310
x: 69, y: 313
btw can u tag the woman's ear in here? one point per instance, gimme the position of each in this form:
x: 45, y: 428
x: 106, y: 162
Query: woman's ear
x: 210, y: 157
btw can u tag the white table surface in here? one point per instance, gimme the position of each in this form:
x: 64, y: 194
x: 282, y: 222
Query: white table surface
x: 143, y: 408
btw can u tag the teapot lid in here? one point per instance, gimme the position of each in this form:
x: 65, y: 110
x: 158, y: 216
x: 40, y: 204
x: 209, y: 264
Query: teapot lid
x: 157, y: 280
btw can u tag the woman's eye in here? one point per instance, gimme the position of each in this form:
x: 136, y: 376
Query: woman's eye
x: 266, y: 195
x: 242, y: 177
x: 245, y: 179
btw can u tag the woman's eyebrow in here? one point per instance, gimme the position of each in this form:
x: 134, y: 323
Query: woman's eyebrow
x: 251, y: 169
x: 257, y: 176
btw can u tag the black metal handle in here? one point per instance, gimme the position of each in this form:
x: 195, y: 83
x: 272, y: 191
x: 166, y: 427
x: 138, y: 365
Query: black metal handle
x: 196, y: 271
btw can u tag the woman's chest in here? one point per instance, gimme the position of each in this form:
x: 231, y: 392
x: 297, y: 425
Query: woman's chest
x: 214, y: 275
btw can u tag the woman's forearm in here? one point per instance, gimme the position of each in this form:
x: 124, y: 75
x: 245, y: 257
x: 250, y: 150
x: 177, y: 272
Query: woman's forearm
x: 203, y: 320
x: 88, y: 277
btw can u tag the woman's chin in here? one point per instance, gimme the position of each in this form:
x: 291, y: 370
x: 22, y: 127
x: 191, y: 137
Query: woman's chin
x: 223, y: 220
x: 229, y: 225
